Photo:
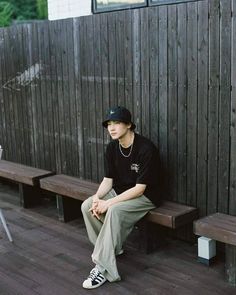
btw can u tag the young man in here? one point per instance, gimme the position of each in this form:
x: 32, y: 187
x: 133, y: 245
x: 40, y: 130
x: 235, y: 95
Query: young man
x: 128, y: 191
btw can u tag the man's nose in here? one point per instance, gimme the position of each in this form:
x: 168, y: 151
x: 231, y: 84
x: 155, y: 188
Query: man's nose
x: 112, y: 127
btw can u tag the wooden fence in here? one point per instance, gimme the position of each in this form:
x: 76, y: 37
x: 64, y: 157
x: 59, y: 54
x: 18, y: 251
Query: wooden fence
x: 173, y: 66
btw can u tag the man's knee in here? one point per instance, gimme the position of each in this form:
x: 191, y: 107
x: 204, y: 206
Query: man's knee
x: 86, y: 205
x: 114, y: 209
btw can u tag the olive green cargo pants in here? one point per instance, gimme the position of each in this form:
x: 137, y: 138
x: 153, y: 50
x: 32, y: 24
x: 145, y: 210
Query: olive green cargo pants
x: 109, y: 233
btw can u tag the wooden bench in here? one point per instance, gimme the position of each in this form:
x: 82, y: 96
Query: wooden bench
x: 69, y: 189
x: 221, y: 227
x: 27, y: 178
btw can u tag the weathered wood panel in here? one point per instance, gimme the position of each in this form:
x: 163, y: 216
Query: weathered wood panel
x: 173, y: 66
x: 213, y: 107
x: 192, y: 89
x: 232, y: 193
x: 202, y: 105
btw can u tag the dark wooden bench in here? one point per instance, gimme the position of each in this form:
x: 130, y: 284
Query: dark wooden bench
x: 68, y: 189
x: 27, y: 178
x: 221, y: 227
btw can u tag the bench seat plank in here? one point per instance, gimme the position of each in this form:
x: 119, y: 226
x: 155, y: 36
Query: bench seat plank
x: 69, y: 186
x: 172, y: 215
x: 21, y: 173
x: 220, y: 227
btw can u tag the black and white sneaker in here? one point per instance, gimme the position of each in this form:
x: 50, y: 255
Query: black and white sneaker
x: 94, y: 280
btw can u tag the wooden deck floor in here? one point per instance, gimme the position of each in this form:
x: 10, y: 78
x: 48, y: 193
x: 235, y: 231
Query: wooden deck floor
x: 52, y: 258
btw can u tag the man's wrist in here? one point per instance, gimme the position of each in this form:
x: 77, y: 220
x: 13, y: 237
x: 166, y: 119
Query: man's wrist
x: 95, y: 197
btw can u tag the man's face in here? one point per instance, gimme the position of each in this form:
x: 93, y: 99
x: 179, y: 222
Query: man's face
x: 118, y: 130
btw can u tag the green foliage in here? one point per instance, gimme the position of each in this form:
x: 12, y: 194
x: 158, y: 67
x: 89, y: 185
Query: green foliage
x: 22, y: 10
x: 6, y: 13
x: 42, y: 8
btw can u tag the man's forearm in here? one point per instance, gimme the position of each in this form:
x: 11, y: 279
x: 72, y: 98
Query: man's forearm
x: 129, y: 194
x: 104, y: 188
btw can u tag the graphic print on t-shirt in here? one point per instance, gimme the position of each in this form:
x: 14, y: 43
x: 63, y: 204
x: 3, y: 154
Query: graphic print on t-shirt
x: 134, y: 167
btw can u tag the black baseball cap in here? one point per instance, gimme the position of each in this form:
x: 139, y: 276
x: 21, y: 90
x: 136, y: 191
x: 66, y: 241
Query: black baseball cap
x: 120, y: 114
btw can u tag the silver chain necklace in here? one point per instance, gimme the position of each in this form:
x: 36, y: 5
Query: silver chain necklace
x: 126, y: 156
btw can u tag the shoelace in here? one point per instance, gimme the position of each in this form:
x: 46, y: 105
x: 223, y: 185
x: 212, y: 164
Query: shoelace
x: 94, y: 272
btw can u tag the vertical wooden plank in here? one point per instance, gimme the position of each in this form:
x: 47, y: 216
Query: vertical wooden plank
x: 163, y: 99
x: 66, y: 53
x: 21, y: 111
x: 26, y: 55
x: 78, y: 95
x: 145, y: 83
x: 192, y: 103
x: 120, y: 65
x: 72, y: 143
x: 105, y: 72
x: 42, y: 88
x: 224, y: 106
x: 27, y: 44
x: 112, y: 22
x: 92, y: 110
x: 3, y: 131
x: 154, y: 82
x: 84, y: 88
x: 136, y: 68
x: 37, y: 113
x: 48, y: 80
x: 7, y: 96
x: 31, y: 120
x: 182, y: 101
x: 54, y: 69
x: 213, y: 121
x: 26, y: 94
x: 128, y: 61
x: 21, y: 101
x: 13, y: 87
x: 34, y: 104
x: 8, y: 87
x: 1, y: 94
x: 232, y: 197
x: 87, y: 92
x: 172, y: 99
x: 202, y: 106
x: 98, y: 98
x: 62, y: 92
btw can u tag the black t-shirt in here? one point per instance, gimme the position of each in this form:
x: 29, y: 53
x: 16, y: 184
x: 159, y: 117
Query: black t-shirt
x: 139, y: 168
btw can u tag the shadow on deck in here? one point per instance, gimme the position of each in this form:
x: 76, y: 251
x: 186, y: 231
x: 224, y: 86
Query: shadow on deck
x: 52, y: 258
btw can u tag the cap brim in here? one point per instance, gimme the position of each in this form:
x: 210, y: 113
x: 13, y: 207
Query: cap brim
x: 105, y: 123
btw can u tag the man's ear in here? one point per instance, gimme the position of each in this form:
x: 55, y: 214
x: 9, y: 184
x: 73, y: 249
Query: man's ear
x: 129, y: 125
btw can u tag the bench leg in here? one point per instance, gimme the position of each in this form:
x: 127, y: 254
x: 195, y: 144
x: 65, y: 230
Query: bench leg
x: 30, y: 196
x: 151, y: 236
x: 68, y: 208
x: 230, y: 264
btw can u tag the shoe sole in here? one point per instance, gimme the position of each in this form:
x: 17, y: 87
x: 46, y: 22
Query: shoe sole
x: 94, y: 287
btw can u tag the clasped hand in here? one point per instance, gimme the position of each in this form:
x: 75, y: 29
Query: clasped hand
x: 99, y: 207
